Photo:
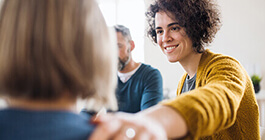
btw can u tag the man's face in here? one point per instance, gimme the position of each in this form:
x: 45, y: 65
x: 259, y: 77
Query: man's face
x: 124, y: 51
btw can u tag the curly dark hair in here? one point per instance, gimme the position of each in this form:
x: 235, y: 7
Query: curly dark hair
x: 200, y: 19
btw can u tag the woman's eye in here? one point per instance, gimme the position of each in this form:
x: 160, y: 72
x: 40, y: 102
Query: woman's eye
x: 175, y: 28
x: 159, y: 32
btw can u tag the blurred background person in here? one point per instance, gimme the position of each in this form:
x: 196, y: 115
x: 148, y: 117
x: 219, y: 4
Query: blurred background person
x: 140, y: 86
x: 53, y: 52
x: 215, y: 97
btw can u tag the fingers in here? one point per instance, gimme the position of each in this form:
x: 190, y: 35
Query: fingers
x: 106, y: 128
x: 142, y: 136
x: 121, y: 135
x: 121, y: 126
x: 115, y: 127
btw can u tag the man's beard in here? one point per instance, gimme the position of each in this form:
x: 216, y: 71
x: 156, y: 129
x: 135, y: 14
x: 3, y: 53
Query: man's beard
x: 123, y: 63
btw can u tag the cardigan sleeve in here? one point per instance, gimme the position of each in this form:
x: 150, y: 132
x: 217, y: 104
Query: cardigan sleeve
x: 213, y: 105
x: 180, y: 84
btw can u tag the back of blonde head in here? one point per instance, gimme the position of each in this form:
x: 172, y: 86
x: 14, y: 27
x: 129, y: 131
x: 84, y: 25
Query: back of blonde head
x: 48, y: 47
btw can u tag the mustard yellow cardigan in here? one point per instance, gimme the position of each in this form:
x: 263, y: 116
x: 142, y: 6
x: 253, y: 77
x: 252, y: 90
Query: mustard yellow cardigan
x: 222, y: 105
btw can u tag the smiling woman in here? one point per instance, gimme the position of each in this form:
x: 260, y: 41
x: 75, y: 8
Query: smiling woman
x: 169, y: 30
x: 214, y: 94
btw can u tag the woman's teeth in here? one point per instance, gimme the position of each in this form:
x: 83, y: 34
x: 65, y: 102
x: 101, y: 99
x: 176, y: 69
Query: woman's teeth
x: 170, y: 48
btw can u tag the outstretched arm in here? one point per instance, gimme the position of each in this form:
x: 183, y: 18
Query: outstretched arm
x: 156, y: 123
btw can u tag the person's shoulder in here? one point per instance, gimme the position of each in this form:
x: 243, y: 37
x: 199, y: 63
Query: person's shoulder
x: 4, y: 116
x: 87, y: 114
x: 217, y: 58
x: 148, y: 67
x: 149, y: 71
x: 73, y: 125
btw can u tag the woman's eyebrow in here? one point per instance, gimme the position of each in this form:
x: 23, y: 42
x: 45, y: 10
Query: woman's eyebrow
x: 171, y: 24
x: 158, y: 28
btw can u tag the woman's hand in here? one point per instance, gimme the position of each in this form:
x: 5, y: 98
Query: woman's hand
x: 123, y: 126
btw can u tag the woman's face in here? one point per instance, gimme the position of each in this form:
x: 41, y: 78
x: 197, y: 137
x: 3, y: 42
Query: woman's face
x: 172, y: 38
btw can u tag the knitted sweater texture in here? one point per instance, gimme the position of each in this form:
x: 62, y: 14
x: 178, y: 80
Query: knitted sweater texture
x: 223, y: 105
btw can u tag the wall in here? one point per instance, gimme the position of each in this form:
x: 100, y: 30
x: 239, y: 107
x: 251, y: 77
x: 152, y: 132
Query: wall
x: 241, y: 36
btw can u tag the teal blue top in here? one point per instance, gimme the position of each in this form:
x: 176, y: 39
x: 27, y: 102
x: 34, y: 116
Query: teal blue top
x: 143, y: 90
x: 18, y: 124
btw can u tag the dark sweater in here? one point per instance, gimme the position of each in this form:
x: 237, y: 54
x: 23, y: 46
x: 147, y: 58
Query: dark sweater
x: 16, y: 124
x: 143, y: 90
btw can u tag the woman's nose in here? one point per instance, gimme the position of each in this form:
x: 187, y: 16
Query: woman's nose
x: 166, y: 37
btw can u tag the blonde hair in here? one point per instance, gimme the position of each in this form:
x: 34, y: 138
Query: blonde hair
x: 50, y: 46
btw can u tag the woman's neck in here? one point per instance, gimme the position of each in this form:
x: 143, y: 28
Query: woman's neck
x: 191, y: 63
x: 64, y: 103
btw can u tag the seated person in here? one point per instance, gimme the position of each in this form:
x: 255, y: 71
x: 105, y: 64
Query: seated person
x: 215, y: 97
x: 140, y: 86
x: 50, y: 56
